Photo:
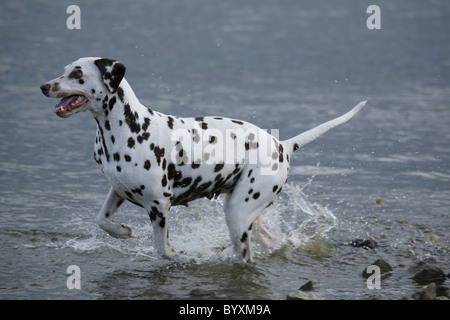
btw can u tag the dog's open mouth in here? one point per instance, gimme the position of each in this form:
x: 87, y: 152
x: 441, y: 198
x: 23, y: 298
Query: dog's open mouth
x: 68, y: 105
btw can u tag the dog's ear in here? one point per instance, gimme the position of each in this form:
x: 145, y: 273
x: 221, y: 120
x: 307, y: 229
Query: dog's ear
x: 112, y: 73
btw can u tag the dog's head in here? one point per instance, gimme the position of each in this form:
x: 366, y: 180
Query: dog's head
x: 84, y: 83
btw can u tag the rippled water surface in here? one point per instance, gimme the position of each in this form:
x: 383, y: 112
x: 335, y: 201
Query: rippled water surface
x: 286, y: 65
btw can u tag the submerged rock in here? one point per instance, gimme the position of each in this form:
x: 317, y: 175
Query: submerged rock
x: 202, y: 294
x: 384, y: 266
x: 307, y: 286
x: 366, y: 244
x: 430, y: 292
x: 426, y: 273
x: 304, y: 293
x: 301, y: 295
x: 443, y: 291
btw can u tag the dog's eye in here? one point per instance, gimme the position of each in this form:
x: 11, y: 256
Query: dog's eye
x: 76, y: 74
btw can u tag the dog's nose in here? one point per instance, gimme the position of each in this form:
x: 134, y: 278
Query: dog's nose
x: 45, y: 88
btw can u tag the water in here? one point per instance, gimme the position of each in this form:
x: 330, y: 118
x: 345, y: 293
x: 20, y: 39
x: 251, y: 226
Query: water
x: 288, y: 65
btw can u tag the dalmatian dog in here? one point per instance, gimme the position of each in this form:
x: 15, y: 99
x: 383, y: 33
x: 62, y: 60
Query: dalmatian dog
x: 157, y: 161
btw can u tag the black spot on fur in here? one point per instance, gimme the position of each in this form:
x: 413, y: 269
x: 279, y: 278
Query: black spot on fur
x: 116, y: 157
x: 120, y: 94
x: 256, y: 195
x: 296, y: 146
x: 170, y: 122
x: 244, y: 237
x: 131, y: 143
x: 129, y: 195
x: 146, y: 124
x: 143, y: 137
x: 149, y: 110
x: 183, y: 184
x: 147, y: 165
x: 153, y: 214
x: 105, y: 148
x: 138, y: 191
x: 237, y: 121
x: 127, y: 158
x: 131, y: 119
x: 203, y: 124
x: 111, y: 103
x: 173, y: 173
x: 159, y: 153
x: 218, y: 167
x: 107, y: 125
x: 279, y: 190
x: 119, y: 169
x: 281, y: 149
x: 81, y: 81
x: 164, y: 181
x: 76, y: 74
x: 162, y: 223
x: 275, y: 187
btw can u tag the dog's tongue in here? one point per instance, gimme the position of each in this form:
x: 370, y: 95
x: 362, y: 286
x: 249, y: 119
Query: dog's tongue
x: 65, y: 103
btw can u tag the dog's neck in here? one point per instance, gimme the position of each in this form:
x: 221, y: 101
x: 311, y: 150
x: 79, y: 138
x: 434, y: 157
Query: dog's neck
x: 121, y: 112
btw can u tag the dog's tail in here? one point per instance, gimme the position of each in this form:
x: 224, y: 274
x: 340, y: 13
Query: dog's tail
x: 299, y: 141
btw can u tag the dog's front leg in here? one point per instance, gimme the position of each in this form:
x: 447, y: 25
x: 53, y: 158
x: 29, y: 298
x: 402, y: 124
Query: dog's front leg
x: 104, y: 217
x: 159, y: 217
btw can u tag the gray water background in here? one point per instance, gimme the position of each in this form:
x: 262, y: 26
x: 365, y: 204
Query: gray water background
x: 286, y: 65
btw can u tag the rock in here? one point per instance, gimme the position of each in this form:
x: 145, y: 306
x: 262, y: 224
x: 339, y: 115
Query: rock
x: 426, y: 273
x: 429, y: 293
x: 416, y: 295
x: 301, y: 295
x: 384, y: 266
x: 307, y: 286
x: 443, y: 291
x: 202, y: 294
x: 366, y: 244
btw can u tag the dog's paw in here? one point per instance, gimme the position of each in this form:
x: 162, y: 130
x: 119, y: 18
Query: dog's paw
x: 120, y: 231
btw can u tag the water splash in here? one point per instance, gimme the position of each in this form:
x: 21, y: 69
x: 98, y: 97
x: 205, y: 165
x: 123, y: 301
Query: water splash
x: 201, y: 234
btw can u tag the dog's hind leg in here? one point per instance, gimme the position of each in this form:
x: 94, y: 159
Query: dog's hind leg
x: 261, y: 234
x: 249, y: 198
x: 104, y: 217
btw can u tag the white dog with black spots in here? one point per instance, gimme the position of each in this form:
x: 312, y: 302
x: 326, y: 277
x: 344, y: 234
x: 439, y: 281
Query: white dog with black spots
x: 157, y: 161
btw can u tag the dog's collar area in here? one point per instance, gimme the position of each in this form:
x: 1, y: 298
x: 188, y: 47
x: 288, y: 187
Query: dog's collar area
x: 69, y: 104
